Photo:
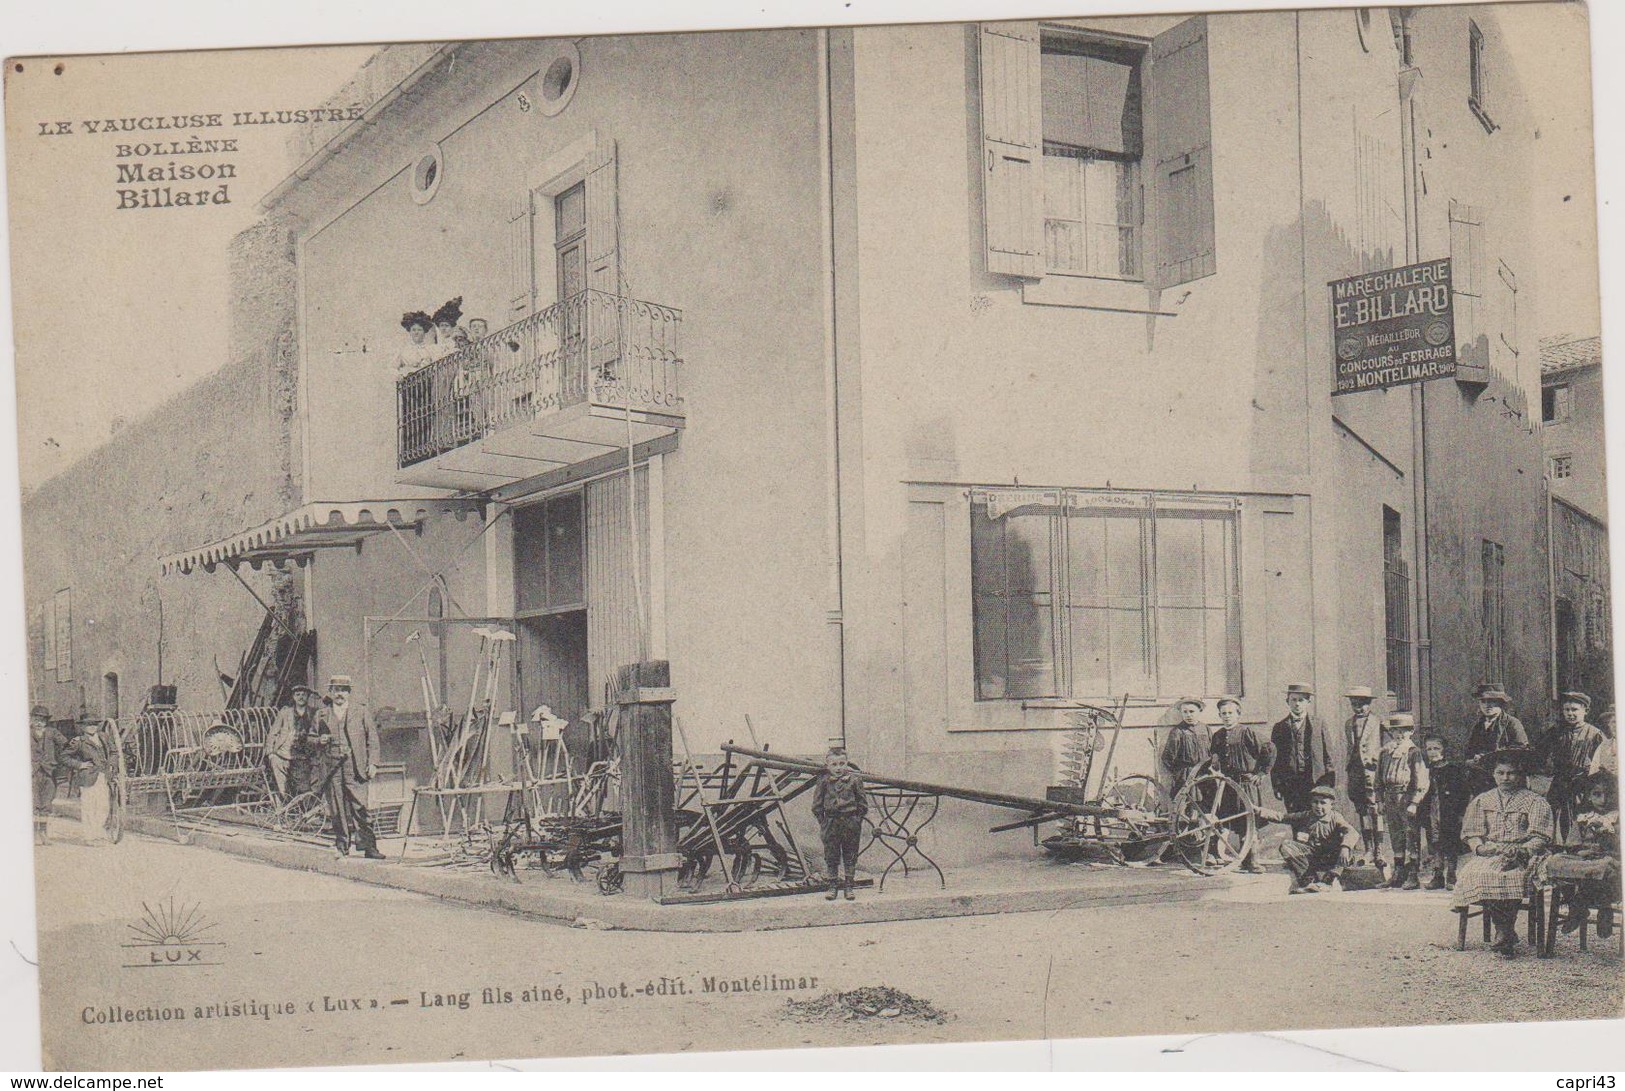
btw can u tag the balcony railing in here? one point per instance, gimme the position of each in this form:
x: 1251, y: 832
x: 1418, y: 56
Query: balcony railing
x: 593, y: 347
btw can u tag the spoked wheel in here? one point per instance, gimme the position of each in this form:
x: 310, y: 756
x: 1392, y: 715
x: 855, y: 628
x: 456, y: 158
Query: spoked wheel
x: 118, y: 790
x: 1145, y: 810
x: 1214, y: 825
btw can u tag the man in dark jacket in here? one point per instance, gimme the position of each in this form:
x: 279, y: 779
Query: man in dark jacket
x: 1495, y: 729
x: 1364, y: 736
x: 48, y: 749
x: 1302, y: 756
x: 350, y: 761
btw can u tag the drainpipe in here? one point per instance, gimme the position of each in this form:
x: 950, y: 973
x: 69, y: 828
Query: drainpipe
x: 832, y: 382
x: 1425, y: 703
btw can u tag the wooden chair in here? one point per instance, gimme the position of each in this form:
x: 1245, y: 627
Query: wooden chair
x: 1534, y: 905
x: 1594, y: 917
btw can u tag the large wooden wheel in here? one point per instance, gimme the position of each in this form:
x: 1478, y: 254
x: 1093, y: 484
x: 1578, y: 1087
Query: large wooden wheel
x: 1214, y: 825
x: 118, y: 788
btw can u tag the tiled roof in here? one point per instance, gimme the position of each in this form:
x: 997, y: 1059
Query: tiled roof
x: 1567, y: 354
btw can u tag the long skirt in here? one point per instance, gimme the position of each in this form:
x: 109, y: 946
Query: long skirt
x: 94, y: 803
x: 1487, y: 879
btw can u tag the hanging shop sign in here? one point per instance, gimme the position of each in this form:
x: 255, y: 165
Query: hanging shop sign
x: 1393, y: 327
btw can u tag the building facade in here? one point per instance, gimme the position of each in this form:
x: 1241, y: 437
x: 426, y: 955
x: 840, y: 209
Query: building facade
x: 996, y: 380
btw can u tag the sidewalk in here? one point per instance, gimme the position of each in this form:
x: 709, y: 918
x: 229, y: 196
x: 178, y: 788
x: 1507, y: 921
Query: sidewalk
x: 1008, y: 886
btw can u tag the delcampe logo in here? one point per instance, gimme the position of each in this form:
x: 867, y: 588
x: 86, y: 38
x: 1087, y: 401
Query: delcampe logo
x: 172, y: 934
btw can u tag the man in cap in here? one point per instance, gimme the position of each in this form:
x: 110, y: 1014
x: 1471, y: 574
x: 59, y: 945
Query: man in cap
x: 48, y: 748
x: 1185, y: 749
x: 1495, y: 729
x: 293, y: 723
x: 1363, y: 740
x: 350, y: 761
x: 1402, y: 782
x: 1566, y: 754
x: 1322, y: 842
x: 1302, y: 758
x: 1245, y: 756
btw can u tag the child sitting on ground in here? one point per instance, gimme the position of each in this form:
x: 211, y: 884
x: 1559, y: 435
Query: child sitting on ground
x: 1323, y: 842
x: 839, y: 805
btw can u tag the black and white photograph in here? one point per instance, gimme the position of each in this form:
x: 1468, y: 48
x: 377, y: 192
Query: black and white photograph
x: 679, y: 542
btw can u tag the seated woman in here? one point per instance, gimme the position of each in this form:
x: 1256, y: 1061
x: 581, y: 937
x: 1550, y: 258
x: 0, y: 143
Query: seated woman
x: 1584, y: 872
x: 1506, y: 830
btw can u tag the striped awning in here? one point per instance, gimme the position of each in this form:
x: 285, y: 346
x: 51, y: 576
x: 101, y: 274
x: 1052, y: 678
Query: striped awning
x: 297, y: 535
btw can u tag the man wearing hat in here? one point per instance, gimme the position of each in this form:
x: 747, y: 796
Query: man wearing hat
x: 293, y: 723
x: 48, y: 748
x: 1566, y: 753
x: 1185, y: 749
x: 1302, y: 758
x: 1363, y: 740
x: 1495, y: 729
x: 1402, y: 782
x: 352, y: 760
x: 1322, y: 842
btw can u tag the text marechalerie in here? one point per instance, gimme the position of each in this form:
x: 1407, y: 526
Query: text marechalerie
x: 760, y: 983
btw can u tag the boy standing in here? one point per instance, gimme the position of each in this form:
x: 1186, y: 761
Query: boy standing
x: 1245, y: 756
x: 1450, y: 787
x: 1322, y: 845
x: 1185, y: 750
x: 839, y: 805
x: 1402, y: 781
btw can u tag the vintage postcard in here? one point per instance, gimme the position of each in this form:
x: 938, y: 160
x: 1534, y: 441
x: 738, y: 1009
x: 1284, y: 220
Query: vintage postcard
x: 1067, y: 527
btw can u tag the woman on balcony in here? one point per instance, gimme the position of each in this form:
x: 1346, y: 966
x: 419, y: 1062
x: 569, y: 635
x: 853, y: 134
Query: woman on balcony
x: 416, y: 397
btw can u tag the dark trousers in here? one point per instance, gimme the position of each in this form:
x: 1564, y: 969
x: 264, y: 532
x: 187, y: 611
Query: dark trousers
x: 44, y: 794
x: 1294, y: 789
x: 1309, y: 865
x: 352, y: 825
x: 841, y: 833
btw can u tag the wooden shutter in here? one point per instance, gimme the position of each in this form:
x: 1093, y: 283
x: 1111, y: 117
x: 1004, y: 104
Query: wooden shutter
x: 603, y: 222
x: 1012, y: 148
x: 1181, y: 155
x: 48, y: 627
x: 521, y: 259
x: 1467, y: 280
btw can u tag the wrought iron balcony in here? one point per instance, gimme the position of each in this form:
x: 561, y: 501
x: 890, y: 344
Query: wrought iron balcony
x: 615, y: 356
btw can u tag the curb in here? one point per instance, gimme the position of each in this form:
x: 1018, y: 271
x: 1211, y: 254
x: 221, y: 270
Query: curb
x: 534, y: 900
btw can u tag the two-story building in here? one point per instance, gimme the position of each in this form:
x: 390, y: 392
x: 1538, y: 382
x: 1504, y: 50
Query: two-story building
x: 908, y: 385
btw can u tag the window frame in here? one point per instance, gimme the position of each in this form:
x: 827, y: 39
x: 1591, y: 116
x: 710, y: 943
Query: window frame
x: 1562, y: 467
x: 1148, y: 510
x: 1478, y: 94
x: 1116, y: 49
x: 1562, y: 403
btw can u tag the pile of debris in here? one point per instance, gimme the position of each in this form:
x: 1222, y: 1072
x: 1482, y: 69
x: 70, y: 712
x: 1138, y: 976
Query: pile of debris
x: 869, y: 1002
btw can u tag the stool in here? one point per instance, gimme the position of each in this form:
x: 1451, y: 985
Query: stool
x: 1534, y: 904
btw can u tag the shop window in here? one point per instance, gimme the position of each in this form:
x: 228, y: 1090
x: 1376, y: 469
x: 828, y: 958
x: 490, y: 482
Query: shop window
x: 1396, y: 608
x: 1070, y: 180
x: 549, y: 564
x: 1085, y: 595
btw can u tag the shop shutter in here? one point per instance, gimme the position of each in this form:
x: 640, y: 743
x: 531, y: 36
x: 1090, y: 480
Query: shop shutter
x: 1181, y: 159
x: 521, y: 259
x: 1012, y: 147
x: 615, y: 616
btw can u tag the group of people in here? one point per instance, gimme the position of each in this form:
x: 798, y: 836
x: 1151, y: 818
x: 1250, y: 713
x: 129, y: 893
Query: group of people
x: 68, y: 764
x: 325, y: 749
x: 429, y: 337
x: 1489, y: 838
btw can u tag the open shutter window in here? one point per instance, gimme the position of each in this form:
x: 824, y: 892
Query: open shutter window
x: 521, y: 275
x: 603, y: 222
x: 1181, y: 159
x: 1468, y: 285
x: 1012, y: 146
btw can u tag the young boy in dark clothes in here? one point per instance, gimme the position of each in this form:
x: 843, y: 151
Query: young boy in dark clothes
x: 839, y: 805
x: 1450, y: 786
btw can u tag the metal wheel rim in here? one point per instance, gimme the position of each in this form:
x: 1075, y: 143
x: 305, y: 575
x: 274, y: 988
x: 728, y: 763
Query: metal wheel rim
x: 1229, y: 815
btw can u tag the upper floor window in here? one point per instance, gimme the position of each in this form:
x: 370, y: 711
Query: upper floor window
x: 1478, y: 76
x: 1556, y: 403
x: 1093, y: 144
x: 1071, y: 179
x: 1562, y: 467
